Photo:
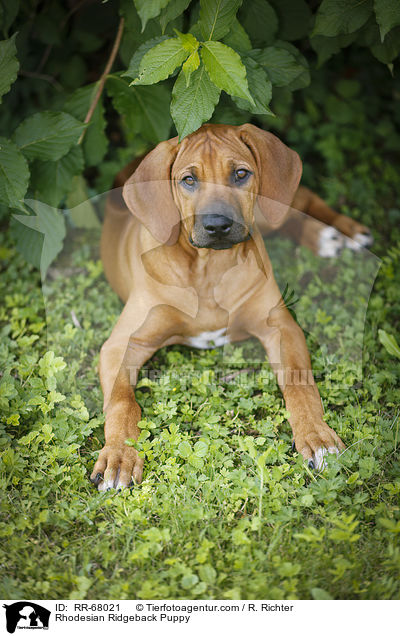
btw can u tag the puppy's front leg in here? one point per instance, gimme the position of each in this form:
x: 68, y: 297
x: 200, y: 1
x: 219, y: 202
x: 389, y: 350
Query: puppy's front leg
x: 121, y: 358
x: 286, y: 348
x: 118, y: 463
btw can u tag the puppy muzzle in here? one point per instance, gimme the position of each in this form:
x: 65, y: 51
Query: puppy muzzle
x: 219, y: 227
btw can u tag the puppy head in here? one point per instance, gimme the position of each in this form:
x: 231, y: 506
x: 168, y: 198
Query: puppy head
x: 213, y: 186
x: 207, y: 186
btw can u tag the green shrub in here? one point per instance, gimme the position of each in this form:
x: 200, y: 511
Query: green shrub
x: 177, y: 64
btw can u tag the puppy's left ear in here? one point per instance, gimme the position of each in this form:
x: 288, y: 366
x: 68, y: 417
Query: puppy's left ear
x: 279, y: 170
x: 148, y: 193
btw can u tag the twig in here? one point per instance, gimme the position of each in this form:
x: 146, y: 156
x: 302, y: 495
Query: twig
x: 42, y: 76
x: 103, y: 77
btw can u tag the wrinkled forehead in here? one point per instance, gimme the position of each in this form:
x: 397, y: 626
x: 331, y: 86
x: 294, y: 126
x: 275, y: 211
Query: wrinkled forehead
x: 212, y: 156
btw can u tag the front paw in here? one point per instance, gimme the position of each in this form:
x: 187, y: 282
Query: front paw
x: 117, y: 467
x: 315, y: 442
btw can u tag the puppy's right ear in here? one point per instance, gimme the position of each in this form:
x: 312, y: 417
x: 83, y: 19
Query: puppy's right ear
x: 148, y: 193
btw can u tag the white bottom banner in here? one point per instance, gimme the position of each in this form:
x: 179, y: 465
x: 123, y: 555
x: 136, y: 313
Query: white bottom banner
x: 164, y: 617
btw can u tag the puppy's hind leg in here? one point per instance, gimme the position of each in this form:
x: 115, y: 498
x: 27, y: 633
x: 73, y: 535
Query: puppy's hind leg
x: 356, y: 235
x: 324, y: 240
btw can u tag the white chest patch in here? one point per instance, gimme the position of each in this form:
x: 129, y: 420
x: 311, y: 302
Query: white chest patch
x: 209, y: 339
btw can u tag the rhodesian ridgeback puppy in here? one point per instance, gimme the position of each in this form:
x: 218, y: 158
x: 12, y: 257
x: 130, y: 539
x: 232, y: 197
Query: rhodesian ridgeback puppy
x: 186, y: 255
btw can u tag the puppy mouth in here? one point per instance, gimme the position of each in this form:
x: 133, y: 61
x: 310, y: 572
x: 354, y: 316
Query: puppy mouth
x: 220, y: 243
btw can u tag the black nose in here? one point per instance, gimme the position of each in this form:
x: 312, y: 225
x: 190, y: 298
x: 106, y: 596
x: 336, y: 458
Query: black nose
x: 216, y: 224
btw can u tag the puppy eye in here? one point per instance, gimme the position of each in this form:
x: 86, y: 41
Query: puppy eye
x: 189, y: 181
x: 241, y: 174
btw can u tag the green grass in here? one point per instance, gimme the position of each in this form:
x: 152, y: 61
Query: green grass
x: 226, y: 509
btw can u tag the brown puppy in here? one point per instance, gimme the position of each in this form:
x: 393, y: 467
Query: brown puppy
x: 192, y: 268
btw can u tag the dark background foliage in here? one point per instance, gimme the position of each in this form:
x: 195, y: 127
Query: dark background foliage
x: 178, y: 63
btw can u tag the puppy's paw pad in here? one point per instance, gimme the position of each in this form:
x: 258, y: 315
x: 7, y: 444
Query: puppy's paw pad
x: 330, y: 242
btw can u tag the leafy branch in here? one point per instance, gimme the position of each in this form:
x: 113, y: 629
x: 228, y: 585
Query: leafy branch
x: 180, y: 63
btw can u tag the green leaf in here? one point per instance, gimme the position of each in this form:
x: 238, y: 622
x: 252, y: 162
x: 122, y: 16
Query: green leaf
x: 389, y: 342
x: 9, y: 65
x: 303, y: 79
x: 174, y: 9
x: 14, y: 174
x: 326, y: 47
x: 189, y: 580
x: 51, y: 180
x: 260, y: 89
x: 28, y: 242
x: 260, y: 21
x: 184, y: 450
x: 50, y: 223
x: 95, y: 142
x: 387, y: 15
x: 388, y: 50
x: 341, y: 16
x: 196, y: 462
x: 158, y: 63
x: 226, y: 69
x: 43, y: 516
x: 307, y: 500
x: 48, y: 135
x: 148, y: 9
x: 319, y: 594
x: 216, y: 17
x: 191, y: 64
x: 134, y: 64
x: 81, y: 210
x: 192, y: 106
x: 237, y: 37
x: 188, y: 41
x: 145, y: 109
x: 207, y: 573
x: 280, y: 65
x: 294, y: 18
x: 78, y: 103
x: 200, y: 449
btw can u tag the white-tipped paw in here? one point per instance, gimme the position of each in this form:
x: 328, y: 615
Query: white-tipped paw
x: 315, y: 442
x: 330, y: 242
x: 117, y: 467
x: 359, y: 240
x: 318, y: 461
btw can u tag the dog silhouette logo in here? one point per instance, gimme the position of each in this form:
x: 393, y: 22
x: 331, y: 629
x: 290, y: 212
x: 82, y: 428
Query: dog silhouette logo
x: 26, y: 615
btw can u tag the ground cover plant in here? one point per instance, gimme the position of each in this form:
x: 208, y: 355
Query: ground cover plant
x: 226, y: 508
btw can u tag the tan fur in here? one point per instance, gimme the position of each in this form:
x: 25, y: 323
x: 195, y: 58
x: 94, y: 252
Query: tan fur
x: 174, y: 291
